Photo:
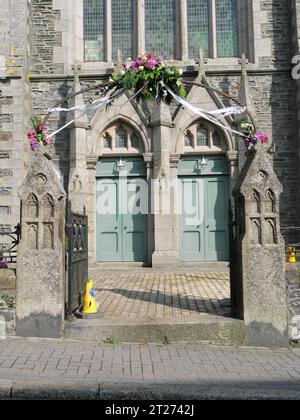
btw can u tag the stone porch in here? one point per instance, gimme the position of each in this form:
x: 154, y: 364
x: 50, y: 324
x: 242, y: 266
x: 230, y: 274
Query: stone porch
x: 144, y: 306
x: 145, y: 294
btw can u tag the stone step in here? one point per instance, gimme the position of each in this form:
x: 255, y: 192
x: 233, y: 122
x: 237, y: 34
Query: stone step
x: 210, y: 329
x: 206, y: 267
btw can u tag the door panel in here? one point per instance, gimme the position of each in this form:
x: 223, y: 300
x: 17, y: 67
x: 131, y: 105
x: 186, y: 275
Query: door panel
x: 122, y: 235
x: 192, y: 221
x: 109, y: 224
x: 135, y: 236
x: 204, y: 221
x: 216, y: 219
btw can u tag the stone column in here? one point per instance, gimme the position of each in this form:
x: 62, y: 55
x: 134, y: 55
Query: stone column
x: 140, y: 5
x: 108, y: 31
x: 148, y: 158
x: 165, y: 219
x: 78, y: 142
x: 184, y: 42
x: 40, y: 302
x: 258, y: 282
x: 91, y: 162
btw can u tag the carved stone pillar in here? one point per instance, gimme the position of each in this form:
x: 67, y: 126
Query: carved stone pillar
x: 78, y: 141
x: 258, y: 282
x: 165, y: 219
x: 40, y: 300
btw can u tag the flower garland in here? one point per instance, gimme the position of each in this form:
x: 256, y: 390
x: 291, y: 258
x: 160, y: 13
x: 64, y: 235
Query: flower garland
x: 38, y: 135
x: 252, y: 136
x: 147, y: 76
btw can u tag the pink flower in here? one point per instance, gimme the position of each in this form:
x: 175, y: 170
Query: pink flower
x: 136, y: 64
x: 34, y: 144
x: 161, y: 59
x: 149, y: 56
x: 263, y: 137
x: 152, y: 63
x: 41, y: 127
x: 31, y: 134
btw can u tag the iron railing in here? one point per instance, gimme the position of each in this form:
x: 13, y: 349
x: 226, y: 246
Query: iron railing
x: 291, y: 235
x: 9, y: 248
x: 77, y: 257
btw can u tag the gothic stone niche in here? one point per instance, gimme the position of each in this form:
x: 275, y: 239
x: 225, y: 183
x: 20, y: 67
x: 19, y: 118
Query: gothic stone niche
x: 47, y: 207
x: 256, y: 236
x: 270, y: 202
x: 270, y: 232
x: 48, y: 239
x: 31, y: 209
x: 256, y: 205
x: 32, y: 235
x: 76, y: 184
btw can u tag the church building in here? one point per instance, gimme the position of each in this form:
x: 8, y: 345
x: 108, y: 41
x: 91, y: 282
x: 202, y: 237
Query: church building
x: 243, y: 48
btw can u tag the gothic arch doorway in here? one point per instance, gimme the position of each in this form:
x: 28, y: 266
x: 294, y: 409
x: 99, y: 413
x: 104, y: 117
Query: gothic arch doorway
x: 203, y: 173
x: 121, y: 197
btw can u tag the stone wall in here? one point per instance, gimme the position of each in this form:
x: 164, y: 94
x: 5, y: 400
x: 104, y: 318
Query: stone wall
x: 44, y: 37
x: 7, y: 303
x: 15, y: 106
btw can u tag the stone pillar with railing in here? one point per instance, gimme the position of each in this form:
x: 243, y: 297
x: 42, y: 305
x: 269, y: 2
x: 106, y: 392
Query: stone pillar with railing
x: 258, y: 282
x: 40, y: 301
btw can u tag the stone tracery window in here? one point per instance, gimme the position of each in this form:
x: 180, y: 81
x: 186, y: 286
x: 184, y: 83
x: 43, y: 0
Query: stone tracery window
x: 121, y: 138
x: 158, y: 26
x: 202, y: 136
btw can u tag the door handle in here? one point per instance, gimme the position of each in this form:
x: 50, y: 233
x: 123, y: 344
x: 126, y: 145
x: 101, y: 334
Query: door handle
x: 208, y: 226
x: 125, y: 228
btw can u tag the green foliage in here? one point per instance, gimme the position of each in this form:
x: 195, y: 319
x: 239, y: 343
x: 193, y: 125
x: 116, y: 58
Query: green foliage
x: 151, y: 83
x: 166, y: 340
x: 112, y: 340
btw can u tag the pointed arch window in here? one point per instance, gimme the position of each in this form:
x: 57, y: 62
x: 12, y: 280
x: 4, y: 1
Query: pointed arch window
x: 121, y: 138
x: 189, y: 139
x: 202, y: 136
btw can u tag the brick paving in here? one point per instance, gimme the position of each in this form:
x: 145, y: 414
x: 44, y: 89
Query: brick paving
x: 58, y: 361
x: 159, y: 295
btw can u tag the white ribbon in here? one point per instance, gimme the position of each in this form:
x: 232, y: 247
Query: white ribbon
x: 98, y: 104
x: 209, y: 116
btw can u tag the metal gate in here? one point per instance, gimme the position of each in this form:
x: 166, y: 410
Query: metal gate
x: 9, y: 248
x: 77, y: 258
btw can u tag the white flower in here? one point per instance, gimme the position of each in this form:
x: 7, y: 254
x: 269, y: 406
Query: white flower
x: 111, y: 80
x: 141, y: 68
x: 180, y: 71
x: 122, y: 72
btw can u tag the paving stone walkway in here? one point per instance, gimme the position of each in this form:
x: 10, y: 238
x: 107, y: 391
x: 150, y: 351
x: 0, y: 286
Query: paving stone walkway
x: 37, y: 361
x: 159, y: 295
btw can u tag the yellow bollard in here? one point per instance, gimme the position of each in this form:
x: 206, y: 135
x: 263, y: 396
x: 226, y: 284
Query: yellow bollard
x: 89, y: 301
x: 291, y: 255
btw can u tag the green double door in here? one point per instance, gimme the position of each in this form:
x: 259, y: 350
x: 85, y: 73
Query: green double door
x: 121, y: 219
x: 204, y: 221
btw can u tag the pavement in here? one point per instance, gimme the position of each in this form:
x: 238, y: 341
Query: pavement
x: 53, y: 369
x: 145, y: 294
